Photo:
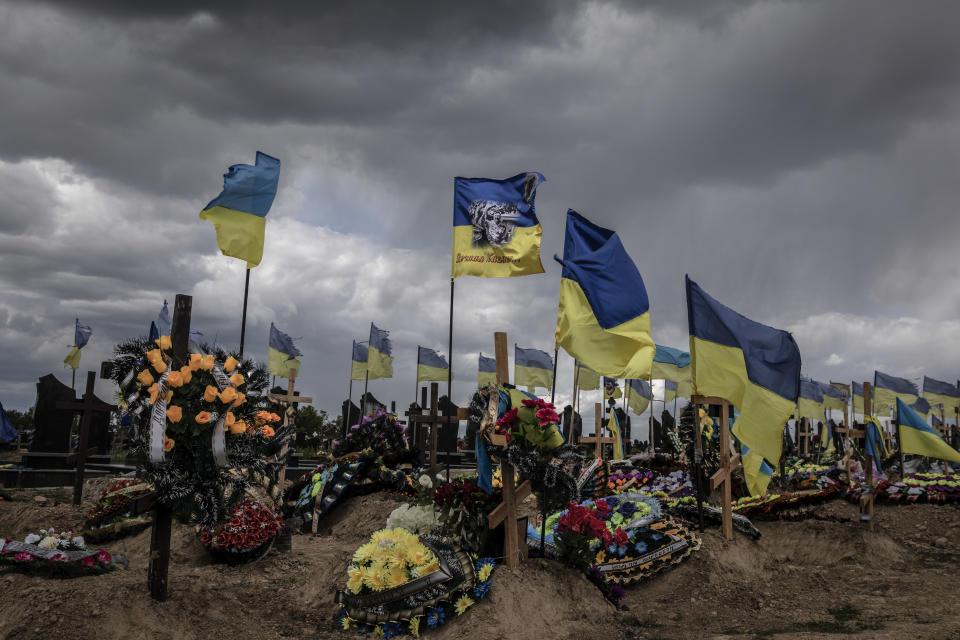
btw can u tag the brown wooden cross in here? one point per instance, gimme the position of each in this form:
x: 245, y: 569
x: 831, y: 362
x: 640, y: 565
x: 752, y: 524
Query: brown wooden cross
x: 433, y: 418
x: 289, y: 399
x: 597, y: 438
x: 87, y: 408
x: 805, y: 433
x: 728, y: 464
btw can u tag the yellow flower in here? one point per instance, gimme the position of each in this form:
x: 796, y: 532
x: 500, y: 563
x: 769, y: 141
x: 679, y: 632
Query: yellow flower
x: 160, y: 366
x: 185, y: 374
x: 228, y: 395
x: 206, y: 363
x: 236, y: 379
x: 203, y: 417
x: 345, y: 623
x: 419, y: 555
x: 484, y: 573
x: 174, y: 414
x: 364, y: 553
x: 415, y: 626
x: 194, y: 361
x: 462, y: 604
x: 396, y: 576
x: 241, y: 398
x: 174, y: 379
x: 375, y: 577
x: 355, y: 581
x: 154, y: 355
x: 164, y: 342
x: 230, y: 364
x: 229, y: 419
x: 210, y: 393
x: 168, y: 444
x: 145, y: 378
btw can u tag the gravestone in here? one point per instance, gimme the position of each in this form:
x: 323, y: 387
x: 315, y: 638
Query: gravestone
x: 668, y: 422
x: 52, y: 426
x: 98, y: 441
x: 447, y: 441
x: 568, y: 415
x: 660, y: 440
x: 350, y: 413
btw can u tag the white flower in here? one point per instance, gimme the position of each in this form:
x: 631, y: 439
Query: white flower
x: 440, y: 477
x: 78, y: 542
x: 50, y: 542
x: 425, y: 481
x: 32, y: 539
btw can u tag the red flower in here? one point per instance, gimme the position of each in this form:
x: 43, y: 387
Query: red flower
x: 621, y: 537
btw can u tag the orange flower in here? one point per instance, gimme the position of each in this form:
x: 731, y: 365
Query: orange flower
x: 236, y: 379
x: 267, y: 431
x: 210, y: 393
x: 203, y: 417
x: 185, y: 374
x: 169, y: 396
x: 174, y: 379
x: 206, y: 363
x: 168, y: 444
x: 164, y: 342
x: 230, y: 364
x: 154, y: 355
x: 154, y: 391
x: 145, y: 378
x: 228, y: 395
x: 160, y: 366
x: 174, y: 413
x: 229, y: 419
x: 238, y: 427
x: 241, y: 398
x: 194, y: 361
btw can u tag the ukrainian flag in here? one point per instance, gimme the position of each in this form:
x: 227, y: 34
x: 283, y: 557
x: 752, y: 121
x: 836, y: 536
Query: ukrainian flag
x: 875, y: 445
x: 379, y: 354
x: 832, y: 396
x: 587, y: 378
x: 239, y: 212
x: 614, y: 425
x: 358, y: 361
x: 937, y: 392
x: 671, y: 364
x: 81, y: 336
x: 685, y: 388
x: 886, y: 390
x: 756, y: 470
x: 857, y: 397
x: 669, y: 390
x: 282, y: 355
x: 753, y: 366
x: 638, y: 395
x: 496, y: 233
x: 827, y: 430
x: 810, y: 403
x: 431, y: 365
x: 604, y: 317
x: 532, y: 368
x: 922, y: 407
x: 486, y: 371
x: 611, y: 388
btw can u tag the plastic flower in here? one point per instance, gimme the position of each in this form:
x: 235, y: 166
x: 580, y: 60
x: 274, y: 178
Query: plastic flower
x: 164, y: 342
x: 203, y: 417
x: 169, y: 396
x: 436, y: 617
x: 228, y: 395
x: 229, y: 419
x: 484, y: 573
x: 50, y: 542
x: 206, y: 363
x: 194, y: 361
x: 210, y: 393
x: 153, y: 356
x: 355, y: 581
x: 185, y: 374
x: 238, y: 427
x: 481, y: 589
x: 145, y: 378
x: 174, y: 379
x: 174, y: 414
x: 414, y: 626
x: 168, y: 444
x: 24, y: 556
x: 103, y: 557
x: 236, y: 379
x: 32, y: 538
x: 241, y: 398
x: 154, y: 391
x: 267, y: 431
x: 230, y: 364
x: 463, y: 603
x: 160, y: 366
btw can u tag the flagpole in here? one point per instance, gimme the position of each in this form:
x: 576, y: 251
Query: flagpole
x: 363, y: 401
x: 416, y: 377
x: 553, y: 386
x: 653, y: 445
x: 456, y: 433
x: 243, y: 321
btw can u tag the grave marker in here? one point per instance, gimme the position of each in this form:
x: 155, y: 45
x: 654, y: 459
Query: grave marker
x: 90, y: 405
x: 434, y: 420
x: 597, y: 438
x: 723, y: 477
x: 290, y: 399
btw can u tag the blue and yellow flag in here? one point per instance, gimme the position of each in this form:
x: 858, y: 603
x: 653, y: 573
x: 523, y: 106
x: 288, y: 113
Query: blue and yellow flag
x: 671, y: 364
x: 282, y: 355
x: 431, y: 365
x: 753, y: 366
x: 832, y: 396
x: 239, y: 212
x: 486, y: 371
x: 756, y: 470
x: 886, y: 390
x: 379, y: 354
x: 496, y: 233
x: 918, y: 438
x: 604, y: 317
x: 587, y: 378
x: 611, y: 388
x: 857, y: 395
x: 614, y: 425
x: 922, y: 407
x: 532, y: 368
x: 358, y: 361
x: 937, y: 392
x: 81, y: 336
x: 875, y: 446
x: 638, y: 395
x: 826, y: 436
x: 810, y: 403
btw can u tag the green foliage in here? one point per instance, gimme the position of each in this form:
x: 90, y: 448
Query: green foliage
x: 22, y: 420
x: 313, y: 427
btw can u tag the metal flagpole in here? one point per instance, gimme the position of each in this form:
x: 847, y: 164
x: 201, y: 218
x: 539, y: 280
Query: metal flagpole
x: 416, y: 377
x: 243, y: 321
x: 450, y: 378
x: 553, y: 386
x: 363, y: 401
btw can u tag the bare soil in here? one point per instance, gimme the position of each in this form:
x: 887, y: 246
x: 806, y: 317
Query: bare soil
x: 827, y: 576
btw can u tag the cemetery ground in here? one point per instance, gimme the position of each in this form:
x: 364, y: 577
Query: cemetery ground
x: 826, y: 576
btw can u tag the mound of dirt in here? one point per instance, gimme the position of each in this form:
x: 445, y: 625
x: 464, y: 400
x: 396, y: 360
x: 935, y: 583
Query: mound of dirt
x: 809, y: 579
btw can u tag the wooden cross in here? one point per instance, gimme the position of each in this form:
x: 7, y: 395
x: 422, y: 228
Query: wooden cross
x: 289, y: 399
x: 597, y: 438
x: 728, y: 464
x: 87, y: 408
x: 805, y: 433
x: 434, y: 419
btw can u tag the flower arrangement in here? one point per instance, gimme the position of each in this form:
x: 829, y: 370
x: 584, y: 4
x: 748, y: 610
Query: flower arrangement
x: 380, y: 436
x: 935, y: 488
x: 415, y: 519
x: 616, y: 482
x: 392, y: 558
x: 51, y: 539
x: 531, y: 422
x: 111, y: 506
x: 59, y: 551
x: 246, y: 535
x: 464, y: 508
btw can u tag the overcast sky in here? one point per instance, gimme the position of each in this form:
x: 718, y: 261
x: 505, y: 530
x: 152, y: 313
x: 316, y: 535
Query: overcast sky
x: 798, y: 159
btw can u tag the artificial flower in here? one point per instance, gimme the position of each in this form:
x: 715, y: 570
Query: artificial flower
x: 50, y: 542
x: 230, y: 364
x: 236, y: 379
x: 103, y: 557
x: 164, y: 343
x: 463, y: 603
x: 267, y: 431
x: 414, y: 626
x: 206, y: 363
x: 241, y: 398
x: 154, y: 355
x: 160, y: 366
x: 229, y: 419
x: 355, y: 580
x: 174, y: 413
x: 24, y: 556
x: 174, y: 379
x: 195, y: 361
x: 185, y: 374
x: 203, y: 417
x: 154, y: 391
x: 238, y: 427
x: 481, y: 589
x: 32, y: 538
x: 168, y: 397
x: 145, y: 378
x: 210, y: 393
x: 436, y: 617
x: 228, y: 395
x: 484, y: 573
x: 168, y: 444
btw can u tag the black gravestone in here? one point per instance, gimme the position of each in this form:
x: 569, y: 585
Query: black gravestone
x: 447, y: 436
x: 52, y: 426
x: 98, y: 440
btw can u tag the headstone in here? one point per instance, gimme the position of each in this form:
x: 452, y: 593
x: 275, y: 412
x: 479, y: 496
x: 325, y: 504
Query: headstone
x: 447, y: 441
x: 52, y: 426
x: 350, y: 413
x: 99, y: 438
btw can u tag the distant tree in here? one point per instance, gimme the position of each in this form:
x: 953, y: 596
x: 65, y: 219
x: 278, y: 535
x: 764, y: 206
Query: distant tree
x: 313, y: 427
x: 22, y: 420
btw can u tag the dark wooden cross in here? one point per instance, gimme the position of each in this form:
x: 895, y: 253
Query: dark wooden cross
x: 597, y: 438
x: 804, y: 432
x: 433, y: 418
x: 87, y: 408
x: 288, y: 418
x: 728, y: 463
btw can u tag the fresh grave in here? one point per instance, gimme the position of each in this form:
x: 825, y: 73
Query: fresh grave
x: 58, y: 552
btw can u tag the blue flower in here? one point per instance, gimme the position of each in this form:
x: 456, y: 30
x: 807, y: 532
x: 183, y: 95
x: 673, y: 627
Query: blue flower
x: 391, y: 629
x: 656, y: 536
x: 640, y: 546
x: 481, y: 589
x: 621, y: 551
x: 612, y: 549
x: 627, y: 508
x: 436, y: 617
x: 363, y: 629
